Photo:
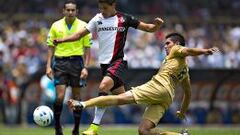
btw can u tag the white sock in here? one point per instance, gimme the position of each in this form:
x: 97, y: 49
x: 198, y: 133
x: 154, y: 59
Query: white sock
x: 99, y: 111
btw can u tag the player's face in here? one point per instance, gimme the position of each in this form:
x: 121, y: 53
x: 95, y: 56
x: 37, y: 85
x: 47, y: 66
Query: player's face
x: 106, y: 9
x: 168, y: 45
x: 70, y: 11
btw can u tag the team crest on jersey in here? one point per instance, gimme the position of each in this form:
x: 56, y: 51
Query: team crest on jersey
x: 99, y: 22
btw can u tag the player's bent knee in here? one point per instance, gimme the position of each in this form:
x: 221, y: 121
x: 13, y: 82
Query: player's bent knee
x: 102, y: 86
x: 105, y: 87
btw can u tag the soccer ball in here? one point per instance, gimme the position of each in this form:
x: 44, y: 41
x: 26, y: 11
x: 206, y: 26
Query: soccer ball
x: 43, y: 116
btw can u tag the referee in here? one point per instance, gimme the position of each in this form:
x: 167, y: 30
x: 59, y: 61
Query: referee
x: 65, y: 63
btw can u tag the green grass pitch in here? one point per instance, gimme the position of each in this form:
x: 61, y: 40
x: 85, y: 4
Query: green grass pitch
x: 120, y: 130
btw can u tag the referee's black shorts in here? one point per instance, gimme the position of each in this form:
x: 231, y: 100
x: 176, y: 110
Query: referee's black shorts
x: 116, y: 70
x: 67, y: 70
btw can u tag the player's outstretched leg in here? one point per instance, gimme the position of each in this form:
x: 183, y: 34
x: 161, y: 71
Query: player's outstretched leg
x: 102, y: 101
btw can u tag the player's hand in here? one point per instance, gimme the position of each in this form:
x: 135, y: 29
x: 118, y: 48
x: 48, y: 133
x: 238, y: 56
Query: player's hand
x: 180, y: 115
x: 212, y: 50
x: 158, y: 21
x: 57, y: 41
x: 84, y: 73
x: 49, y: 73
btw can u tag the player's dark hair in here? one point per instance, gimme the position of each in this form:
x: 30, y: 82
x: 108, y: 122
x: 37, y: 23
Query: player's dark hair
x: 176, y: 37
x: 109, y: 2
x: 70, y: 1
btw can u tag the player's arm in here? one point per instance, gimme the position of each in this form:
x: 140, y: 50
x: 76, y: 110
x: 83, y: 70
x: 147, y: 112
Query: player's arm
x: 49, y: 72
x: 186, y: 98
x: 51, y: 50
x: 151, y: 27
x: 87, y: 42
x: 81, y: 33
x: 199, y: 51
x: 87, y: 57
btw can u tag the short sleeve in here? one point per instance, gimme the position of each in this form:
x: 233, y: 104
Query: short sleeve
x: 51, y: 36
x: 91, y: 26
x: 177, y: 51
x: 132, y: 21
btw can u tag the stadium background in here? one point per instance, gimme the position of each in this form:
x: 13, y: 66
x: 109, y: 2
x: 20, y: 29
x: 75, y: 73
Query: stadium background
x: 215, y: 79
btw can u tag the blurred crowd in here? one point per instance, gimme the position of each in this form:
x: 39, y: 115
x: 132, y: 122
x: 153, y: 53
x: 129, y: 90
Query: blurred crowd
x: 23, y: 51
x: 181, y: 8
x: 23, y: 43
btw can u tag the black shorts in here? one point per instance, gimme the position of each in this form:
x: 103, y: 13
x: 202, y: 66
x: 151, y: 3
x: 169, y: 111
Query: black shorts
x: 116, y: 70
x: 67, y: 70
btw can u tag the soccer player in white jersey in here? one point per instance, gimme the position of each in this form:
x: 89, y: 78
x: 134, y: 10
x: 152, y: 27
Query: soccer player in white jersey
x: 111, y: 27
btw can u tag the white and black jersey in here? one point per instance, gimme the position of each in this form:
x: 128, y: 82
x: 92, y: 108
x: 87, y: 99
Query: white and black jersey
x: 112, y: 34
